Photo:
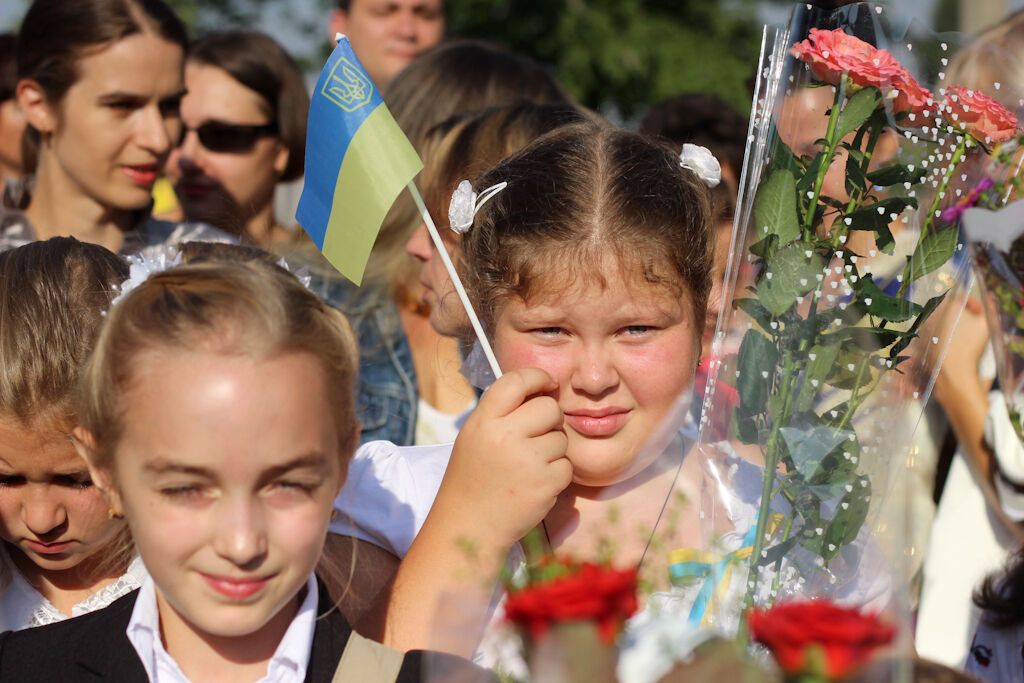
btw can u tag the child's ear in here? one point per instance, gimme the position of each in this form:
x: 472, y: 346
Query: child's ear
x: 101, y: 477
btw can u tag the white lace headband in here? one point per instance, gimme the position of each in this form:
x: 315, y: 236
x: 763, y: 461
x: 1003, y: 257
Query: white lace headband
x: 701, y: 161
x: 466, y: 203
x: 161, y: 257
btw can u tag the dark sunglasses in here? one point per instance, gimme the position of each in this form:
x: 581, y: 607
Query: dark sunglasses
x: 218, y: 136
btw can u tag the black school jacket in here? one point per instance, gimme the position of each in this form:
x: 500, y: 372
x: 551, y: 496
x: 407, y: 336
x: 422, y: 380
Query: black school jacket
x: 95, y: 647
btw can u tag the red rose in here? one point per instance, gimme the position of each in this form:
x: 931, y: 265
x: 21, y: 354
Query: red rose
x: 591, y: 593
x: 833, y: 54
x: 846, y: 637
x: 979, y: 115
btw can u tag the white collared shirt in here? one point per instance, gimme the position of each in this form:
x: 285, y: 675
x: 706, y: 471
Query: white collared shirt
x: 288, y: 665
x: 22, y: 606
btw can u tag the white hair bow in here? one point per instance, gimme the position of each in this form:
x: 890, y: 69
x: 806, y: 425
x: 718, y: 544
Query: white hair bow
x: 465, y: 204
x: 701, y: 161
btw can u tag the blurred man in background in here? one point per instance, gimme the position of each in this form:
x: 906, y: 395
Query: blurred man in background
x: 388, y: 34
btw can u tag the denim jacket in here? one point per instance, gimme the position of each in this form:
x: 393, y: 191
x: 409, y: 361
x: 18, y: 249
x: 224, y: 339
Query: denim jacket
x: 386, y: 392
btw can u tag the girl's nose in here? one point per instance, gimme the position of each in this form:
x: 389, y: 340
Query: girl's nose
x: 595, y: 372
x: 241, y: 534
x: 42, y: 513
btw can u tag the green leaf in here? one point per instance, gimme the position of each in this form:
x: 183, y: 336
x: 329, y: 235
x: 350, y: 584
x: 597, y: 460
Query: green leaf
x: 922, y: 317
x: 857, y: 110
x: 757, y: 360
x: 876, y: 218
x: 849, y: 518
x: 881, y: 305
x: 758, y: 313
x: 896, y: 174
x: 932, y: 252
x: 808, y: 447
x: 783, y: 158
x: 775, y: 207
x: 778, y: 551
x: 820, y: 360
x: 870, y: 339
x: 765, y: 248
x: 744, y: 427
x: 856, y: 181
x: 788, y: 275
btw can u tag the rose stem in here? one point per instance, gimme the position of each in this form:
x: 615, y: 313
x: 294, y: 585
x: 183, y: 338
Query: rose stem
x: 958, y: 155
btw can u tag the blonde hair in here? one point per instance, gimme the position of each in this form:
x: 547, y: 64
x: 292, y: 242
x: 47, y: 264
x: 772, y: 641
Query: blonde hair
x: 247, y: 308
x: 52, y: 298
x: 995, y: 55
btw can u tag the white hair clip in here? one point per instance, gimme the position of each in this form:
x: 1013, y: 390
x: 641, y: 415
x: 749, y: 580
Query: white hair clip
x: 465, y: 204
x: 155, y: 259
x: 701, y: 161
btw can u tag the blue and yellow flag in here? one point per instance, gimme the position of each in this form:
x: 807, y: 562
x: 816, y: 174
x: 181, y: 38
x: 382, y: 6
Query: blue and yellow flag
x: 357, y: 162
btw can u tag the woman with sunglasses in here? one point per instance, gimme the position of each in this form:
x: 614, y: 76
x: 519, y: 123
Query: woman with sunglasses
x: 244, y: 131
x: 100, y: 83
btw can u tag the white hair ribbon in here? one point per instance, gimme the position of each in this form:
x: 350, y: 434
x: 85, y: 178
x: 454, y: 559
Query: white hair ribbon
x: 155, y: 259
x: 701, y: 161
x: 466, y: 203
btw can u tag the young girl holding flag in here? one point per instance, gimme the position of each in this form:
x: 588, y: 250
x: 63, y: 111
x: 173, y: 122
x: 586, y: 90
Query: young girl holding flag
x: 590, y: 269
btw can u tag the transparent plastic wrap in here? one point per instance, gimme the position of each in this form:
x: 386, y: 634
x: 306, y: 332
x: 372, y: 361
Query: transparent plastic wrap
x: 995, y: 233
x: 844, y: 264
x: 581, y: 612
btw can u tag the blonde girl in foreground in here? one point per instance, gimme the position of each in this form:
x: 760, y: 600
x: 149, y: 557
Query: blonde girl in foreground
x: 216, y: 415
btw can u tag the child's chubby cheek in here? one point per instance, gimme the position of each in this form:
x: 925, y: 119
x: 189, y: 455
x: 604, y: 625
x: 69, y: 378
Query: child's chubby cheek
x: 556, y: 361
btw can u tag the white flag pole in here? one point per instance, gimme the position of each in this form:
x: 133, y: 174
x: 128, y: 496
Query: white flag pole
x: 456, y: 281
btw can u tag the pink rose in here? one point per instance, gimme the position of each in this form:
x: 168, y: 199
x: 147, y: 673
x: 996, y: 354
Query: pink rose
x: 978, y: 115
x: 832, y: 54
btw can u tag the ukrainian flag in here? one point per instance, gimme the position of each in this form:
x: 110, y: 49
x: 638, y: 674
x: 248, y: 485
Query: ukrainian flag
x: 357, y: 162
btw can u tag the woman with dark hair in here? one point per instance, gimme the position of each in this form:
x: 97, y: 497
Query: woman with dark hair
x: 100, y: 83
x: 244, y: 131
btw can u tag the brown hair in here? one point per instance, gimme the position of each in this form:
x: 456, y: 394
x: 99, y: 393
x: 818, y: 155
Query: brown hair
x: 250, y: 308
x: 465, y: 146
x: 700, y: 119
x: 53, y: 296
x: 455, y: 77
x: 8, y: 66
x: 55, y: 34
x: 581, y: 192
x: 258, y: 62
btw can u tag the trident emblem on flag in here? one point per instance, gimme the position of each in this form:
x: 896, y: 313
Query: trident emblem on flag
x: 347, y: 87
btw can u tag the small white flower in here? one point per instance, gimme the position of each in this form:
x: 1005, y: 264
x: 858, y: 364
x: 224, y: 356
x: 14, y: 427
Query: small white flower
x: 701, y: 161
x: 466, y: 203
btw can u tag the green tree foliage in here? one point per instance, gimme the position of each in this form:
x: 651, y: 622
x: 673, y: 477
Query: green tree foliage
x: 625, y: 54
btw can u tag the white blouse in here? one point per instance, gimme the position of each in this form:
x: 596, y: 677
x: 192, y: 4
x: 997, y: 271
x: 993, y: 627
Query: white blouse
x: 22, y: 606
x: 288, y: 665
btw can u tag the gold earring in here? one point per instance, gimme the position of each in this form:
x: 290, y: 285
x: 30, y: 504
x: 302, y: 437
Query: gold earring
x: 335, y: 514
x: 114, y: 514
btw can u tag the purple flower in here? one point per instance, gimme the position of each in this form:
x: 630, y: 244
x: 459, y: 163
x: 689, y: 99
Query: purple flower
x: 952, y: 214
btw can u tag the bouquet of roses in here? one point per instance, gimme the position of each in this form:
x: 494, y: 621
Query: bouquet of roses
x: 825, y: 334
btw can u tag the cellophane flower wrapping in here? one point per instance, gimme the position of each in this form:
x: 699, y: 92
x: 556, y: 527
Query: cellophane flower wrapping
x: 841, y: 268
x: 992, y: 216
